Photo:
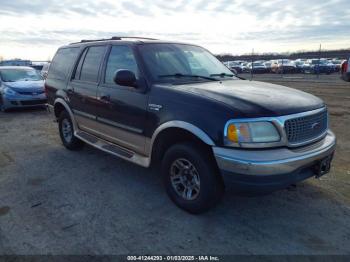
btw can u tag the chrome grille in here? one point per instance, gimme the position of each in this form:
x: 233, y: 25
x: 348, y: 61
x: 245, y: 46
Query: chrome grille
x: 302, y: 129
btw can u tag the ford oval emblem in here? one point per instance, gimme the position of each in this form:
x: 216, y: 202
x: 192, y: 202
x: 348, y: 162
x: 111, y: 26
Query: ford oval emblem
x: 316, y: 126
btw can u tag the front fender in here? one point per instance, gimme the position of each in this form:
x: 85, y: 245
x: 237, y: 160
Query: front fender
x: 186, y: 126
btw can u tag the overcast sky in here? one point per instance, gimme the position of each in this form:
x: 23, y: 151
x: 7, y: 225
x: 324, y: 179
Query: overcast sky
x: 34, y: 29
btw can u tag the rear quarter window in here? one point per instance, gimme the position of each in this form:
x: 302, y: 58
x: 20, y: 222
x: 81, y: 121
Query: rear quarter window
x: 62, y: 63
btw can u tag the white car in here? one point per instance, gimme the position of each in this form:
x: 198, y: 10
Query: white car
x: 45, y: 70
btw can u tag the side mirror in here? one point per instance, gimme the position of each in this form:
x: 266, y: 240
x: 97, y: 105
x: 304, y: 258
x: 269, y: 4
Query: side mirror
x: 125, y: 77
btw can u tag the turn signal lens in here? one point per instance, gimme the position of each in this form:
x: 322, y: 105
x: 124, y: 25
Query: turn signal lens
x: 232, y: 133
x: 238, y: 132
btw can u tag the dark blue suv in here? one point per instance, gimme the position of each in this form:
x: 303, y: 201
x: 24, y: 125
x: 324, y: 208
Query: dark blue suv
x: 175, y: 106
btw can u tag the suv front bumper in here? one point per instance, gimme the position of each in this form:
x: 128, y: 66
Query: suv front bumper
x: 271, y: 169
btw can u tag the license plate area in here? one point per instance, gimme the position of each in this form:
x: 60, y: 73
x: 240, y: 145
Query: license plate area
x: 323, y: 166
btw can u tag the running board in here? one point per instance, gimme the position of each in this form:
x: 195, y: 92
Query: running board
x: 113, y: 149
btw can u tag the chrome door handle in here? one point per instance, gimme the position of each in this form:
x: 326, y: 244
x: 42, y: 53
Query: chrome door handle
x: 105, y: 98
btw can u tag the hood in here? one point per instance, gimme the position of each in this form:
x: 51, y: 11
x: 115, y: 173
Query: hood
x: 255, y: 99
x: 26, y: 86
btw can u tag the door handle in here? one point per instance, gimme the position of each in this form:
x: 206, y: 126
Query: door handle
x: 105, y: 98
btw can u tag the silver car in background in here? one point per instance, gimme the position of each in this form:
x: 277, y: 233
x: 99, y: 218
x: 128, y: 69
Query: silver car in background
x: 45, y: 70
x: 21, y: 87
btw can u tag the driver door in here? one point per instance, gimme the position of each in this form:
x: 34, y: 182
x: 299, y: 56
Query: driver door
x: 121, y: 111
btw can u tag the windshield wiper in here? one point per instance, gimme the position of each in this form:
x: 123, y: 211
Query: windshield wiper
x: 179, y: 75
x: 223, y: 75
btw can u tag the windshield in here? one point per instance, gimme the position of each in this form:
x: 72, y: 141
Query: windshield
x: 179, y: 61
x: 14, y: 75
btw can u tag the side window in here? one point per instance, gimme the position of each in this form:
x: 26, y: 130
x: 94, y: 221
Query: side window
x: 120, y: 57
x: 62, y: 63
x: 91, y: 64
x: 78, y: 70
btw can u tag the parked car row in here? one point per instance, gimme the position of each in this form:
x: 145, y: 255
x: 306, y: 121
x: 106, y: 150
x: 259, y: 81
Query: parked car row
x: 281, y: 66
x: 41, y: 67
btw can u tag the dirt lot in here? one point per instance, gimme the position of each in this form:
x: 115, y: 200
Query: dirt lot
x: 53, y: 201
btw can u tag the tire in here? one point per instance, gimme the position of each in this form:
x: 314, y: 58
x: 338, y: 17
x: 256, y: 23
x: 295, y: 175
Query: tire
x: 2, y: 107
x: 346, y: 77
x: 66, y: 130
x: 206, y: 185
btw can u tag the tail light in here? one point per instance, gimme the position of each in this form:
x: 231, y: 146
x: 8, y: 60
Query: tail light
x: 344, y: 67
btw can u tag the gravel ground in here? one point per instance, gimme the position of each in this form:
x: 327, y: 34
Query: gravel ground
x: 54, y: 201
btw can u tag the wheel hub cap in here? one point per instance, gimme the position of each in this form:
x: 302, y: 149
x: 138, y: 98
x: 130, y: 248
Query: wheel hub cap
x: 67, y: 130
x: 185, y: 179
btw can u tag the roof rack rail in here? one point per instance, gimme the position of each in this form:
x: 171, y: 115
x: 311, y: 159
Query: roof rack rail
x: 132, y: 37
x: 114, y: 38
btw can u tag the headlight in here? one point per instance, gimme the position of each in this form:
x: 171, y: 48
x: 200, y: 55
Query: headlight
x: 9, y: 91
x: 250, y: 132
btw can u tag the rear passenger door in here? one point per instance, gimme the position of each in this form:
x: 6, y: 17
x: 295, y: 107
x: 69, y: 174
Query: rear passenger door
x: 121, y: 113
x: 83, y: 87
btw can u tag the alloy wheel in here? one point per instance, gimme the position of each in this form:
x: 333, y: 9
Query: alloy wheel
x: 185, y: 179
x: 67, y: 130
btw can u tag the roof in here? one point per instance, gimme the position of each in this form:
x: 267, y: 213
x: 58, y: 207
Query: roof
x: 15, y: 67
x: 129, y: 39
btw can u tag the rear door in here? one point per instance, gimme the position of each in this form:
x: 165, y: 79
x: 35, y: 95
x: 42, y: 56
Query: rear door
x: 122, y: 111
x: 83, y: 87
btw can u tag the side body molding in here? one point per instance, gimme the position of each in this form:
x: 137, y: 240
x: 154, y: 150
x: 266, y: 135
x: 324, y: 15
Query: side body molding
x: 143, y: 160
